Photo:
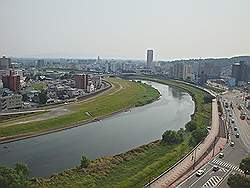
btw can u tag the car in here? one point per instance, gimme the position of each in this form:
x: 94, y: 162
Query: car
x: 215, y: 168
x: 232, y: 120
x: 221, y: 155
x: 232, y: 144
x: 200, y: 172
x: 235, y: 128
x: 237, y: 135
x: 230, y: 115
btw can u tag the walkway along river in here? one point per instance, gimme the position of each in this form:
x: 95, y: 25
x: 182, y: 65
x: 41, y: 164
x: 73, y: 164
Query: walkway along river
x: 55, y: 152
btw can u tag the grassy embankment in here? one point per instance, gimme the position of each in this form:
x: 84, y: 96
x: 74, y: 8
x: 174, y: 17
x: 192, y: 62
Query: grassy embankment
x: 125, y: 94
x: 136, y: 167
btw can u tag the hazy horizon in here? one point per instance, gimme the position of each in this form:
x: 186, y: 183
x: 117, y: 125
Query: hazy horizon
x: 116, y: 29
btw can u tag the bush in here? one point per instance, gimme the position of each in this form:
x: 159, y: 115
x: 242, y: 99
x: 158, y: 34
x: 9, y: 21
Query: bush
x: 14, y: 178
x: 84, y: 162
x: 238, y: 181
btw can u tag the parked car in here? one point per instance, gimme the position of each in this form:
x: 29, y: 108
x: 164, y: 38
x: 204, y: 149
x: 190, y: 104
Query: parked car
x: 200, y: 172
x: 232, y: 120
x: 235, y: 128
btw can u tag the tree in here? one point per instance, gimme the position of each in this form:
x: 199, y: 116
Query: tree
x: 173, y: 137
x: 43, y: 97
x: 198, y: 135
x: 208, y: 98
x: 245, y: 165
x: 14, y: 178
x: 238, y: 181
x: 84, y: 162
x: 191, y: 126
x: 25, y: 97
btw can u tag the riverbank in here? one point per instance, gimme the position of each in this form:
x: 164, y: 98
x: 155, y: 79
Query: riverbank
x: 136, y: 167
x: 126, y: 95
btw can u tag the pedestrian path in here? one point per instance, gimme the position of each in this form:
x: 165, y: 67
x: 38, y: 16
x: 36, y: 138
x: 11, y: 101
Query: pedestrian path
x: 212, y: 182
x: 227, y: 165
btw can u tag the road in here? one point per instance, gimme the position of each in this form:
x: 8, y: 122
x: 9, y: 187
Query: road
x: 232, y: 154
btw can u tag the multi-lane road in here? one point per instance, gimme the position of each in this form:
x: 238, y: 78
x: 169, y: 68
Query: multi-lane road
x: 229, y: 163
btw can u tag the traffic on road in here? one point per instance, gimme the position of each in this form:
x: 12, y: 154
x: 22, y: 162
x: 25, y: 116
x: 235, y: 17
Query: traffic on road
x: 216, y: 172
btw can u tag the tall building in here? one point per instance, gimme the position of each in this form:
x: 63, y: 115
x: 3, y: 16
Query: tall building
x: 241, y: 72
x: 4, y: 63
x: 81, y: 81
x: 40, y: 63
x: 150, y: 57
x: 11, y: 81
x: 236, y: 71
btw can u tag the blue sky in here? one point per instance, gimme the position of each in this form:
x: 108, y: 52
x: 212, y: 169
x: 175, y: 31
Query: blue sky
x: 175, y: 29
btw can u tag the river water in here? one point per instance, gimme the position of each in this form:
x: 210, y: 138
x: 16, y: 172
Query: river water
x: 55, y: 152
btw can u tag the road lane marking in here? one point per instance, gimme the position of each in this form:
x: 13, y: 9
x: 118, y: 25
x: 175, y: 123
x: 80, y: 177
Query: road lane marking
x: 212, y: 182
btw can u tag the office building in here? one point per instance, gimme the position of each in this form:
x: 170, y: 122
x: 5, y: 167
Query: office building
x: 5, y: 63
x: 150, y: 57
x: 82, y: 81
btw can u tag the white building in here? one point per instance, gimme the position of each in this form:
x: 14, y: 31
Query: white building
x: 10, y: 102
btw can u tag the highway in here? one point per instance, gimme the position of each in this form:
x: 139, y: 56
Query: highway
x: 232, y: 154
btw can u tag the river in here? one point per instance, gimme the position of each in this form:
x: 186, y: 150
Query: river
x: 55, y: 152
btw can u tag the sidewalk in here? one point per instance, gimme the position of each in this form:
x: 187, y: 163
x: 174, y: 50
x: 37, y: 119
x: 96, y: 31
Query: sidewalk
x: 173, y: 175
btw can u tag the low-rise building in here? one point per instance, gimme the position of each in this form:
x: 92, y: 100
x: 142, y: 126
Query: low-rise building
x: 10, y: 102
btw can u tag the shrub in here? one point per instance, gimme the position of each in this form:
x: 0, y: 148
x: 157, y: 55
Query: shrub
x: 84, y: 162
x: 14, y: 178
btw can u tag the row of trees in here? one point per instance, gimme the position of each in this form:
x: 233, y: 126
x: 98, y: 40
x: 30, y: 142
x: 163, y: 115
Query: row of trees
x: 198, y: 133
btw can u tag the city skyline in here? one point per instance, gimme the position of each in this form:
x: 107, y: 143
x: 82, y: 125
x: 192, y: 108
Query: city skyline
x: 111, y: 29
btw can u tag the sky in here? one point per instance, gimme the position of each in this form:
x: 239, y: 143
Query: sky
x: 125, y: 29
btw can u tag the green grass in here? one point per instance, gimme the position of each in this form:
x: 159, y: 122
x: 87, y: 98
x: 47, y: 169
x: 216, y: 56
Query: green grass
x: 131, y: 94
x: 38, y: 85
x: 136, y: 167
